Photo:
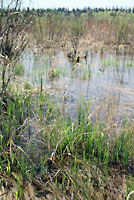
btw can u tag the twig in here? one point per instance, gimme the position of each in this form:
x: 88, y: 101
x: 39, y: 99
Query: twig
x: 53, y: 153
x: 26, y: 155
x: 129, y: 195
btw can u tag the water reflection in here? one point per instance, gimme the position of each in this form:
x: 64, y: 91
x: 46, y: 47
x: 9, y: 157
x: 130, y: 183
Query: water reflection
x: 100, y: 76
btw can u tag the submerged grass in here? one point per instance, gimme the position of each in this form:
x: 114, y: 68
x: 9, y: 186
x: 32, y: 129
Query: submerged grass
x: 19, y: 69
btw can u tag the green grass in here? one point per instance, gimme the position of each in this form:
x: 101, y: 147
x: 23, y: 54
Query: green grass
x: 80, y: 151
x: 19, y: 70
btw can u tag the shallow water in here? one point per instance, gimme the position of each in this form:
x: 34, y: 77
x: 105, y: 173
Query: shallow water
x: 106, y: 81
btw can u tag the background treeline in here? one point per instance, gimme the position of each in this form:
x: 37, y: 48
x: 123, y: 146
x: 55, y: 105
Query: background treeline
x: 67, y: 12
x: 77, y: 12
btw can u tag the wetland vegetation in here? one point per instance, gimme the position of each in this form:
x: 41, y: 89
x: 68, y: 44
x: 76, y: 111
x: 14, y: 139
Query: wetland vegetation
x: 66, y: 103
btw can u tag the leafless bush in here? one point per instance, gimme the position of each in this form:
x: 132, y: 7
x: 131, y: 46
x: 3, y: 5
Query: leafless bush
x: 12, y: 38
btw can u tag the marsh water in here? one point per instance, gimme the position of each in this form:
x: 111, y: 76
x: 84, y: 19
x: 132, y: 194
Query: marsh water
x: 105, y: 81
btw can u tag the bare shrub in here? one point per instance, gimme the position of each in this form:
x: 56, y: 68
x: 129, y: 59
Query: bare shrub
x: 12, y: 39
